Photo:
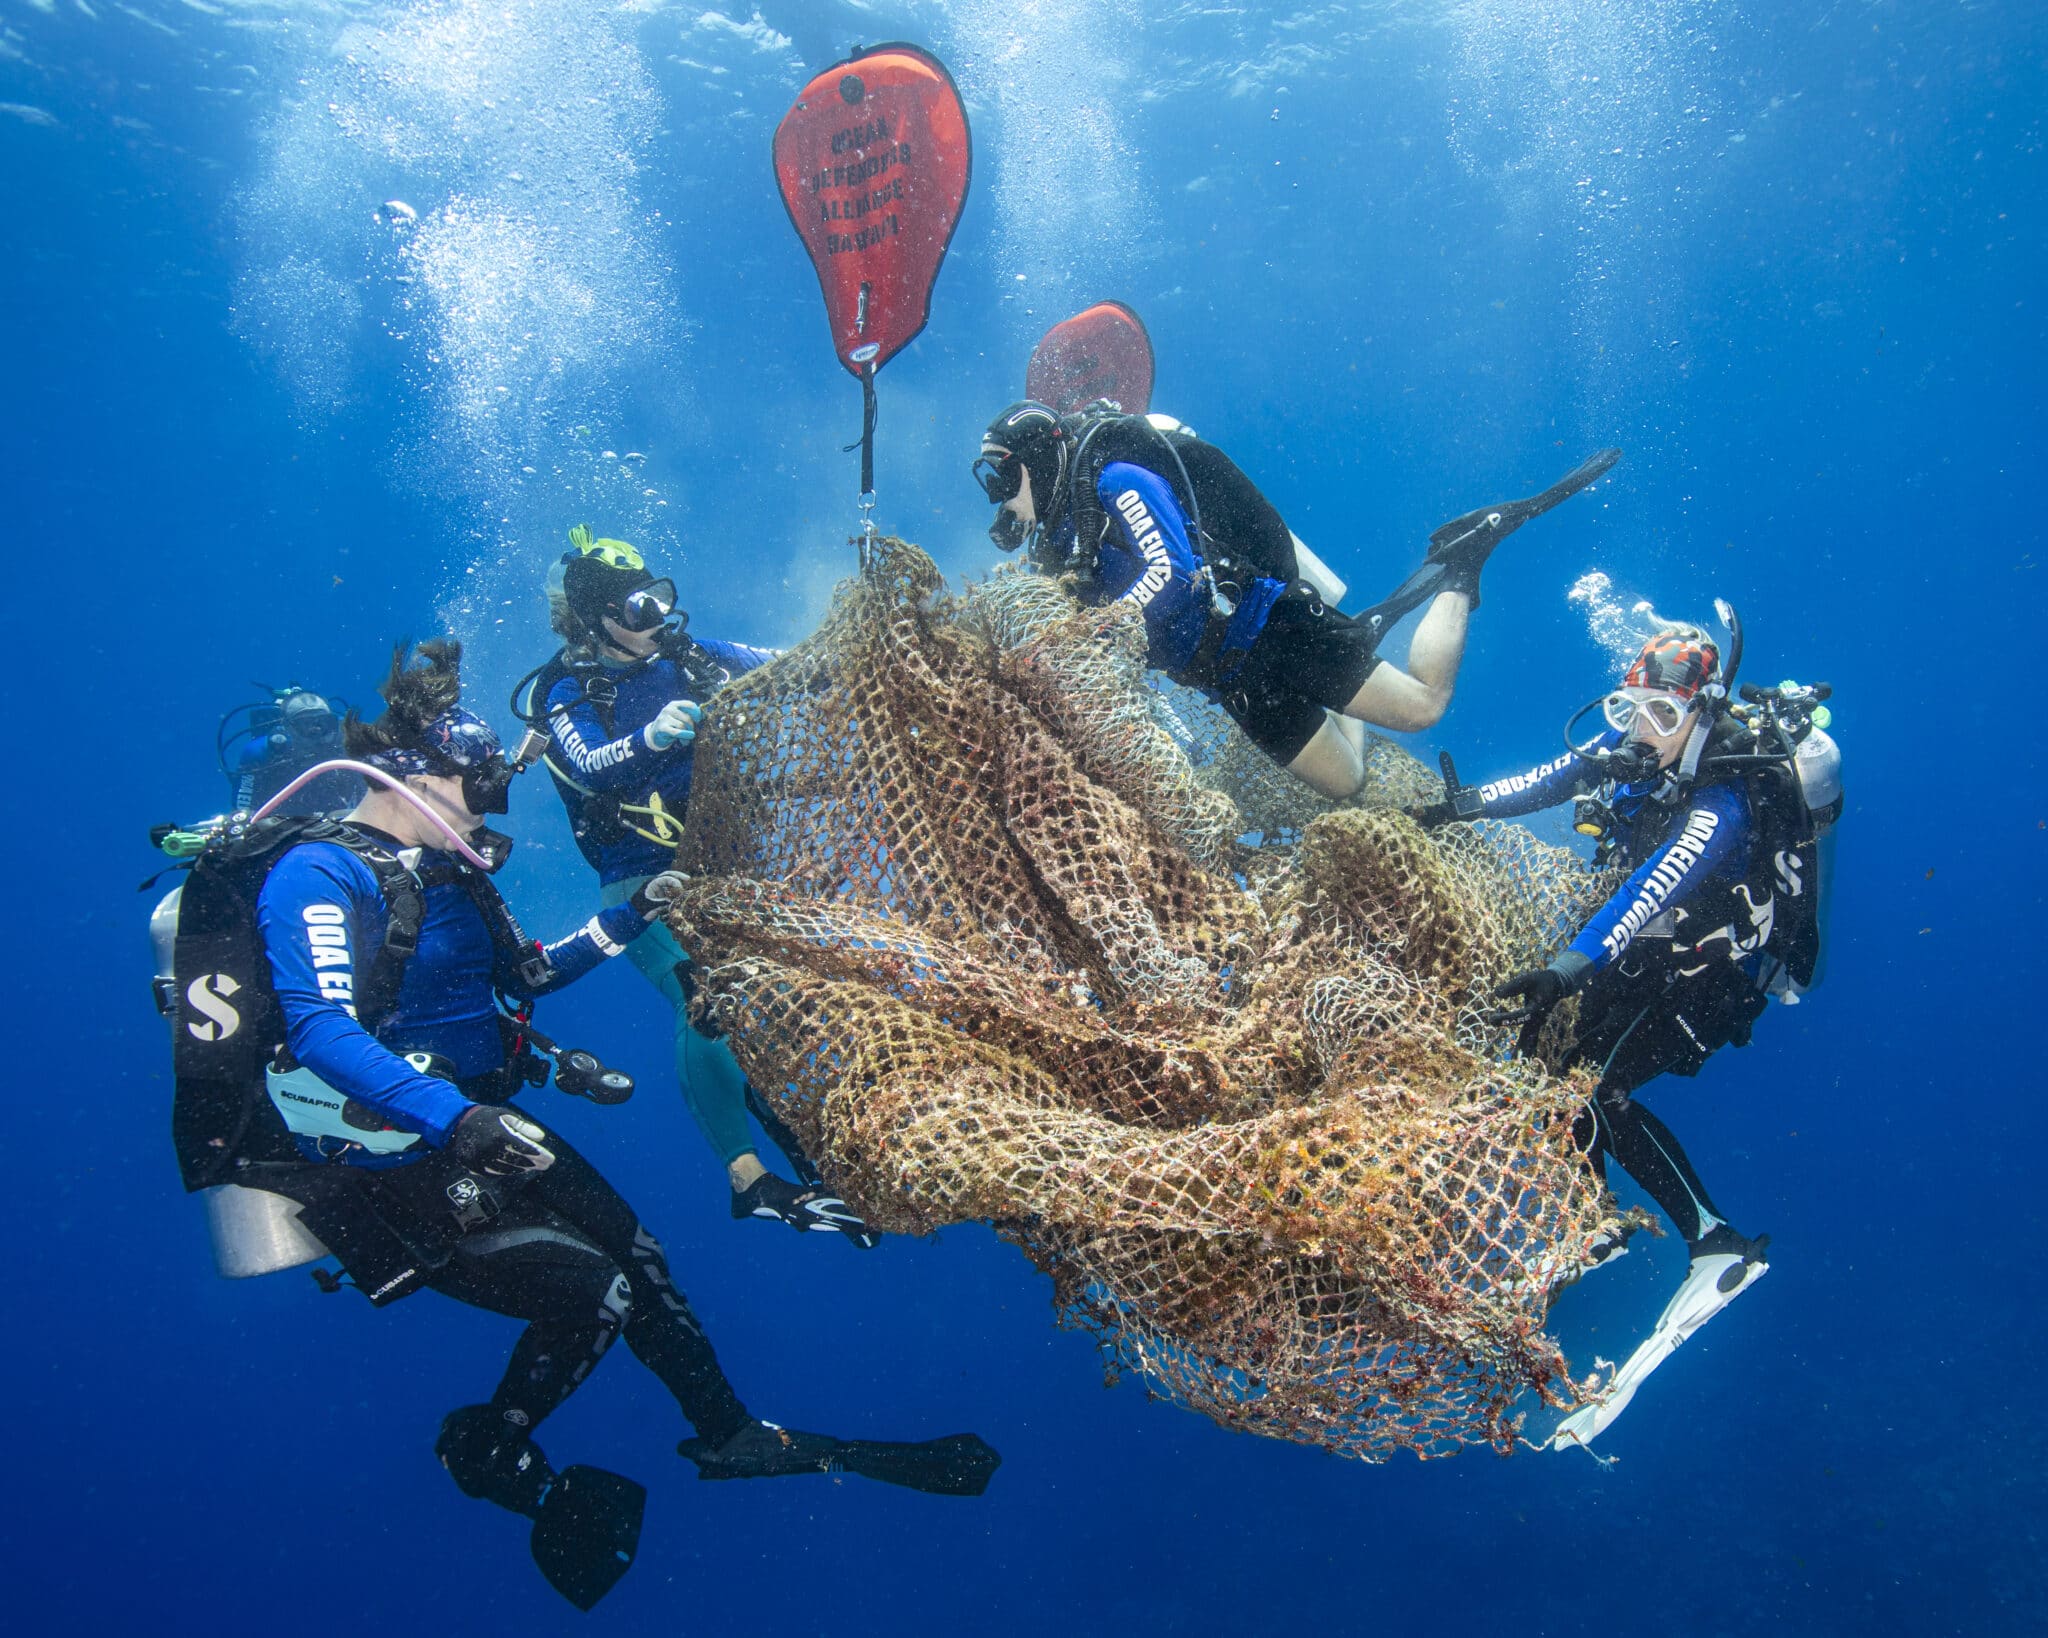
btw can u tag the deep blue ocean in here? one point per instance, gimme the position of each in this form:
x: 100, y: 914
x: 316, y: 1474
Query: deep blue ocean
x: 1399, y: 259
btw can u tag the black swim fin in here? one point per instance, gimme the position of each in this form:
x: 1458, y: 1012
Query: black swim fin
x: 587, y: 1531
x: 959, y: 1464
x: 586, y: 1522
x: 1463, y: 545
x: 1459, y: 549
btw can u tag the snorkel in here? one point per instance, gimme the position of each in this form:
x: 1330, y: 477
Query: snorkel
x: 1732, y: 623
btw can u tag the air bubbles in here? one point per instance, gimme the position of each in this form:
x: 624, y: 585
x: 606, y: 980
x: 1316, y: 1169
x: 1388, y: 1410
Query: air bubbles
x: 396, y: 213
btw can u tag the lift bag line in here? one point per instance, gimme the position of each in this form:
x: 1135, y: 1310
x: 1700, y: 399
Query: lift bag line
x: 873, y: 161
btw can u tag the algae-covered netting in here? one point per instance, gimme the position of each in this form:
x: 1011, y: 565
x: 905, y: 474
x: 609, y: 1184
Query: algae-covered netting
x: 979, y: 909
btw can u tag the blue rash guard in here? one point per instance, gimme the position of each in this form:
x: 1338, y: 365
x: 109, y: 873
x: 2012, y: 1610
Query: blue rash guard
x: 606, y: 756
x: 323, y: 919
x: 1148, y: 559
x: 1680, y: 850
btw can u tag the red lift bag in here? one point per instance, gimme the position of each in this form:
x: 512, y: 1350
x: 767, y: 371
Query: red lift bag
x: 873, y: 161
x: 1102, y: 352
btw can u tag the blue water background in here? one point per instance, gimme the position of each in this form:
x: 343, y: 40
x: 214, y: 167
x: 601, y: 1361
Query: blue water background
x: 1399, y: 260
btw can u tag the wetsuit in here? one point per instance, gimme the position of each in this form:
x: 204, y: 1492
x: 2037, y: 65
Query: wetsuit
x: 609, y: 779
x: 566, y: 1253
x: 1226, y: 614
x: 1676, y: 964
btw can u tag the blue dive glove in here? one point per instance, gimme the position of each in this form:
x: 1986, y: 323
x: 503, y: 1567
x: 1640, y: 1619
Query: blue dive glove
x: 675, y: 724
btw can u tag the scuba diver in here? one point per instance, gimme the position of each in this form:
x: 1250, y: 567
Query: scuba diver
x: 1141, y: 511
x: 1716, y: 806
x: 342, y: 1057
x: 619, y: 704
x: 280, y: 738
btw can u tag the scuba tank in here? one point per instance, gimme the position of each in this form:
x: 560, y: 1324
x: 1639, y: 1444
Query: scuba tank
x: 1818, y: 763
x: 163, y: 944
x: 1309, y: 567
x: 256, y: 1232
x: 239, y: 1097
x: 252, y: 1230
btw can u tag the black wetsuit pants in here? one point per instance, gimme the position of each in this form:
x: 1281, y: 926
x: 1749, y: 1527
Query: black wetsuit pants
x: 1636, y: 1026
x: 567, y: 1254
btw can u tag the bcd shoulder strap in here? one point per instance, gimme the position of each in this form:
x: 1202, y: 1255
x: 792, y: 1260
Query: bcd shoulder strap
x: 507, y: 936
x: 405, y: 906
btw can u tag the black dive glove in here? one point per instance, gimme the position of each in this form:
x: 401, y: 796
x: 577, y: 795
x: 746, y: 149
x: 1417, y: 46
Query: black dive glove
x: 1431, y: 814
x: 1538, y: 989
x: 653, y: 896
x: 500, y: 1142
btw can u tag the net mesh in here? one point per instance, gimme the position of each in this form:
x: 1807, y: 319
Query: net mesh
x: 1007, y: 933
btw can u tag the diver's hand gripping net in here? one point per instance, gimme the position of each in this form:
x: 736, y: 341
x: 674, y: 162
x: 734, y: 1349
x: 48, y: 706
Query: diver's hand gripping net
x: 972, y: 905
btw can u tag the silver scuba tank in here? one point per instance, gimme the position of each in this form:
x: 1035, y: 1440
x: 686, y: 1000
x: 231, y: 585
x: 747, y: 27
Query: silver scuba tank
x: 1819, y: 766
x: 256, y: 1232
x: 163, y: 943
x: 1309, y: 567
x: 253, y: 1231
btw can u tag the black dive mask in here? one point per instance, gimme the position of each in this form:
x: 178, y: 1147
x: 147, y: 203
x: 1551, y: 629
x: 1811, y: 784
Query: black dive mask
x: 486, y: 788
x: 1001, y: 478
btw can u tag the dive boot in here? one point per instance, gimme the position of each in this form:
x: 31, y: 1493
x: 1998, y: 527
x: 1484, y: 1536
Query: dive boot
x: 1462, y: 546
x: 959, y: 1464
x: 1724, y: 1265
x: 586, y: 1522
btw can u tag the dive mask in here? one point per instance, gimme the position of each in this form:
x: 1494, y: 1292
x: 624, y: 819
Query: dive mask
x: 646, y: 608
x: 1000, y: 475
x: 487, y: 786
x: 1657, y: 712
x: 457, y: 744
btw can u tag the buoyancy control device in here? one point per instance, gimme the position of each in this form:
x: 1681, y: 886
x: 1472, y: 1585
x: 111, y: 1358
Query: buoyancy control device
x: 213, y: 985
x: 240, y: 1099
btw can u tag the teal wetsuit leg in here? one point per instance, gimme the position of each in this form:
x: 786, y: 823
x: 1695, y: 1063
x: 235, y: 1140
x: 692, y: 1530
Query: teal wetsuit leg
x: 713, y: 1087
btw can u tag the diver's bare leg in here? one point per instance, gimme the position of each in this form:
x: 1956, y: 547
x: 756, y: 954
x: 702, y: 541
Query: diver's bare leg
x: 1411, y: 700
x: 1334, y: 761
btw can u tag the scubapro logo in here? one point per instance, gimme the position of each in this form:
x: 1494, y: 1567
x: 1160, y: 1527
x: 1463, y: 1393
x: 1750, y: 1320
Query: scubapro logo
x: 464, y: 1192
x: 208, y: 996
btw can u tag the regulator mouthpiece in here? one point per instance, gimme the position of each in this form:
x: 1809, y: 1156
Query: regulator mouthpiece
x: 1009, y: 531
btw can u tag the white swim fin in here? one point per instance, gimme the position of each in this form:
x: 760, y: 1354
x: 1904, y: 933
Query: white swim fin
x: 1715, y: 1280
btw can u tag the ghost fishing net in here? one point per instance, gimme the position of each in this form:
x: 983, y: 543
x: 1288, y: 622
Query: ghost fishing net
x: 1009, y: 934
